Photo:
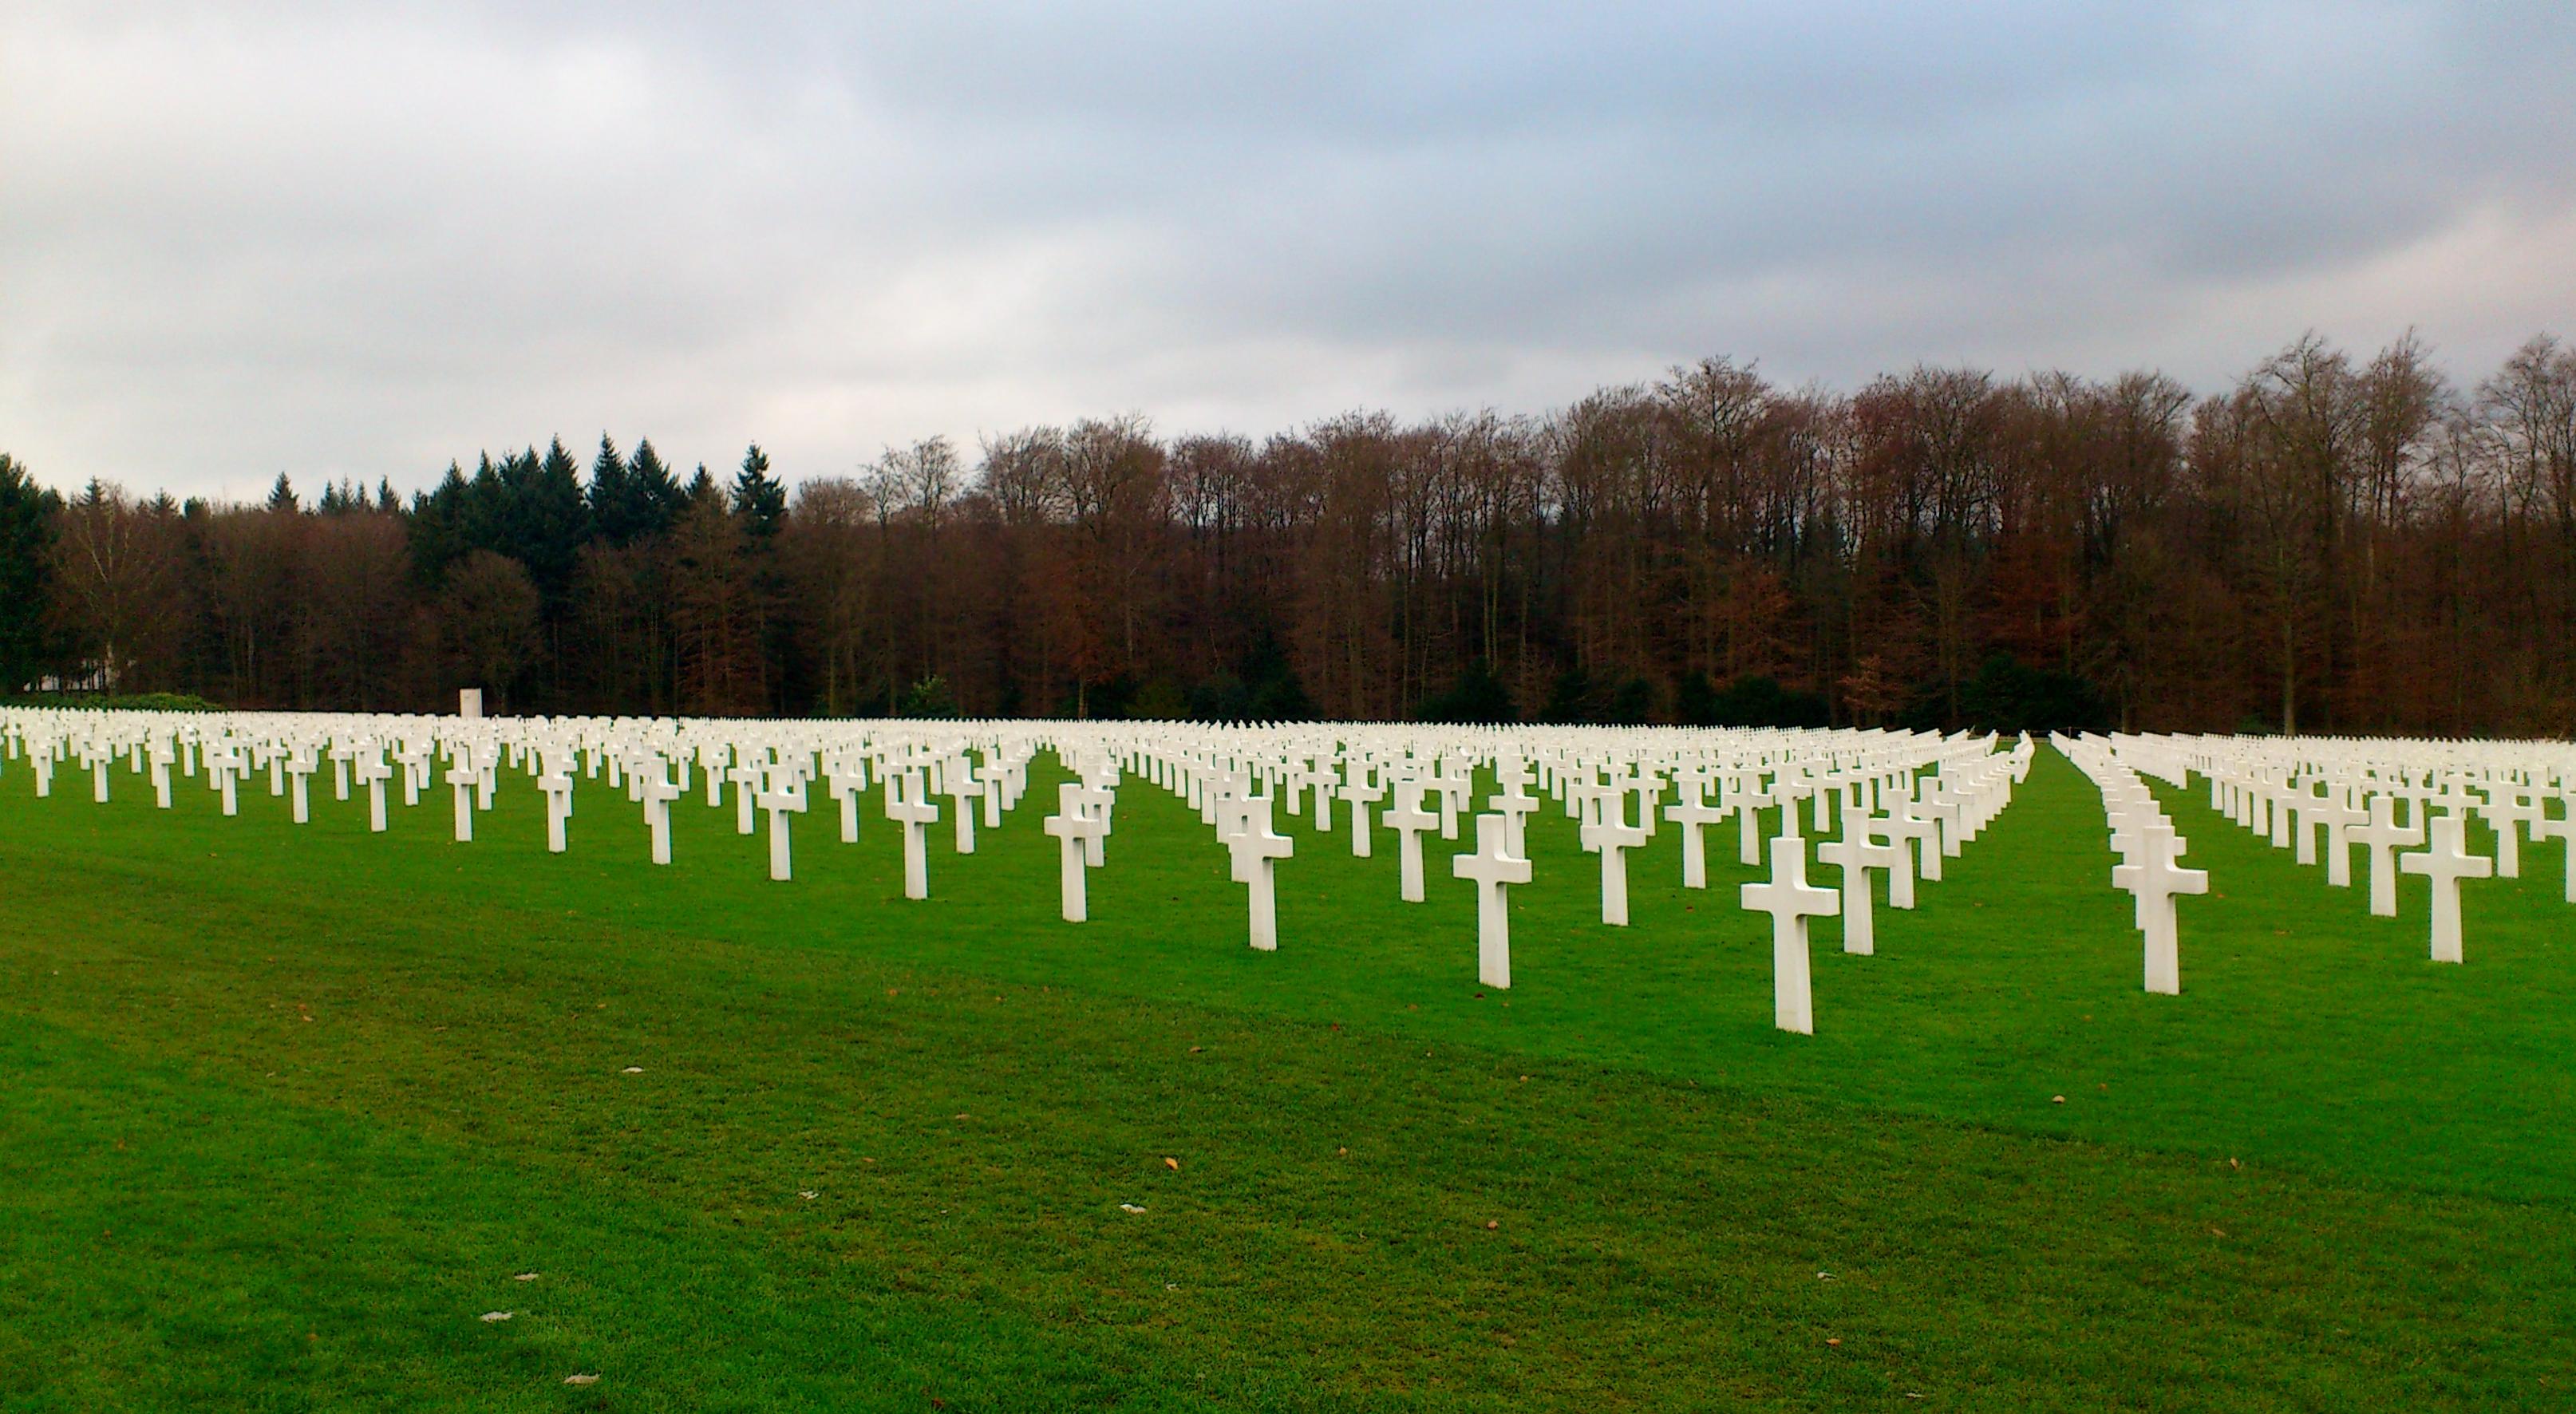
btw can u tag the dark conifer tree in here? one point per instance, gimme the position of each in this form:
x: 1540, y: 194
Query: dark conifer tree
x: 758, y: 498
x: 653, y: 491
x: 609, y: 491
x: 27, y: 513
x: 437, y: 528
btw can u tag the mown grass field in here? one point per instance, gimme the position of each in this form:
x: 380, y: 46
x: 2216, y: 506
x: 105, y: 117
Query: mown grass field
x: 284, y: 1111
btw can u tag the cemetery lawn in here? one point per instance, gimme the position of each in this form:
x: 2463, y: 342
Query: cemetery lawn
x: 284, y: 1112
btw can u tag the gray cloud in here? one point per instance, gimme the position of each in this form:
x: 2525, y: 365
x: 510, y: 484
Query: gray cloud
x: 238, y: 240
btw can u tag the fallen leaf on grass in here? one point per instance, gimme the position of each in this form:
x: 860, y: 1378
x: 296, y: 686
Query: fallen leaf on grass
x: 807, y: 1194
x: 1173, y: 1164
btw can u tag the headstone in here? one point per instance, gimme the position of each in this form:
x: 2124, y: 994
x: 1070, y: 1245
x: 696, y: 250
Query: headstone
x: 1693, y: 814
x: 1855, y: 856
x: 1612, y: 836
x: 1408, y: 819
x: 659, y: 790
x: 2384, y: 836
x: 1257, y: 849
x: 1492, y: 867
x: 2155, y: 879
x: 1358, y: 794
x: 557, y: 785
x: 781, y: 795
x: 1791, y: 901
x: 910, y: 807
x: 1073, y: 828
x: 2444, y: 863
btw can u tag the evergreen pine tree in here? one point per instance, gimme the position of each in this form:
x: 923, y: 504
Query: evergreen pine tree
x: 758, y: 497
x: 654, y: 493
x: 611, y: 488
x: 27, y: 513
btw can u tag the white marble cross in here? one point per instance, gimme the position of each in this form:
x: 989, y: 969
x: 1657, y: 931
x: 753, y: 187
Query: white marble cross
x: 1100, y: 802
x: 2155, y: 879
x: 224, y: 768
x: 557, y: 784
x: 1693, y: 813
x: 1890, y: 833
x: 1408, y: 819
x: 1791, y: 901
x: 2384, y: 836
x: 847, y: 778
x: 1357, y: 793
x: 1855, y: 855
x: 162, y: 759
x: 1923, y: 833
x: 781, y: 794
x: 1073, y: 828
x: 1454, y: 783
x: 299, y: 771
x: 1949, y: 808
x: 1749, y: 800
x: 464, y: 777
x: 965, y: 792
x: 2563, y: 829
x: 1612, y: 836
x: 2444, y: 863
x: 2507, y: 809
x: 2341, y: 819
x: 2312, y: 811
x: 1514, y: 805
x: 373, y: 773
x: 1492, y: 866
x: 1257, y: 850
x: 657, y: 791
x: 908, y: 804
x: 746, y: 779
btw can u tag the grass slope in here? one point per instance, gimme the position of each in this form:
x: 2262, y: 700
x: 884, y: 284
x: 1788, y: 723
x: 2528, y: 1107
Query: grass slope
x: 284, y: 1110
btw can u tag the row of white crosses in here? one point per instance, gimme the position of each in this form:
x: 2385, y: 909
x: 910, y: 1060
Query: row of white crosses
x: 1902, y: 802
x: 1611, y: 785
x: 770, y: 766
x: 2322, y: 797
x: 2150, y: 854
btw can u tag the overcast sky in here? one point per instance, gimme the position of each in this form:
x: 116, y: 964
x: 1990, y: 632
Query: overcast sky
x: 336, y: 239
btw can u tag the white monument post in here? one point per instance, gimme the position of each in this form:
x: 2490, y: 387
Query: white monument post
x: 1492, y: 866
x: 1791, y: 901
x: 2445, y: 862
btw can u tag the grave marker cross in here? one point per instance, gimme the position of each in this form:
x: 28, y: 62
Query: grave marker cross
x: 2444, y: 863
x: 1492, y: 866
x: 1791, y: 901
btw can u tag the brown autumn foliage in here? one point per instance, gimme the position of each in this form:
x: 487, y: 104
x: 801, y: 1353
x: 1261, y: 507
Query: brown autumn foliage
x: 2334, y: 544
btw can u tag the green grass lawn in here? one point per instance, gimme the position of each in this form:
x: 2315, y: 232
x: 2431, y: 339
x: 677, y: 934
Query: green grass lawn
x: 284, y: 1111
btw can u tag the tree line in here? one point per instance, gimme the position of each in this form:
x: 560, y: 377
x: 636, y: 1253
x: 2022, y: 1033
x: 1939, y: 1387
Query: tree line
x: 2335, y: 543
